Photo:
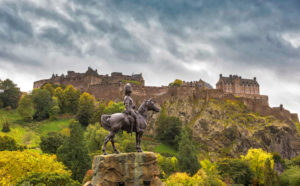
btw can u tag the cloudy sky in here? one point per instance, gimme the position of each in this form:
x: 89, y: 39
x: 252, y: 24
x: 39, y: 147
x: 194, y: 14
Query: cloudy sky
x: 163, y: 39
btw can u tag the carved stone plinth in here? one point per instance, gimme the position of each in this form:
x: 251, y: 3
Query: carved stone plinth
x: 128, y: 169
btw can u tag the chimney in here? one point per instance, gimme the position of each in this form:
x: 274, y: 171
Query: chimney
x: 254, y: 78
x: 230, y: 76
x: 281, y: 107
x: 220, y: 75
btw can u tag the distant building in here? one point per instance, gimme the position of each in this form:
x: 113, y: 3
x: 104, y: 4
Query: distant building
x: 237, y: 85
x: 200, y: 84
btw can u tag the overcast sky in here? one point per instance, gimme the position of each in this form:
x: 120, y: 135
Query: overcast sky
x: 163, y: 39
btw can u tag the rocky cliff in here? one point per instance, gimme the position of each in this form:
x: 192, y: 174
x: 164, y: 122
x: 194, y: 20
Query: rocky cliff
x: 126, y: 169
x: 227, y: 127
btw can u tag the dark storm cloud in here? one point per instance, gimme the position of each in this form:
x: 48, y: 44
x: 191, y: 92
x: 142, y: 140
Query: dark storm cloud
x: 175, y: 38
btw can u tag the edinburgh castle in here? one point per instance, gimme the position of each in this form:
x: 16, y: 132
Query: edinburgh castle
x: 110, y: 87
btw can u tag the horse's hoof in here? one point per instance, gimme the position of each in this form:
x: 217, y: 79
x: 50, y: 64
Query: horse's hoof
x: 104, y: 153
x: 117, y: 152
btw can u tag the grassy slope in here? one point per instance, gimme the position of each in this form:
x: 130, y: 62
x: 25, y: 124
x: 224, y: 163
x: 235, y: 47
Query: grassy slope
x: 29, y: 133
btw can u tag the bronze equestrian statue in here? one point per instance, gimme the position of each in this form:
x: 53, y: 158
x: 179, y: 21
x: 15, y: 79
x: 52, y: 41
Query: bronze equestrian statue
x: 130, y: 120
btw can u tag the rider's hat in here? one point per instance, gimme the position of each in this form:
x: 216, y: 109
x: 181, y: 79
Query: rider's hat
x: 128, y: 88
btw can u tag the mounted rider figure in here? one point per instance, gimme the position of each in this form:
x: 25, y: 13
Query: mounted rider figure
x: 129, y: 106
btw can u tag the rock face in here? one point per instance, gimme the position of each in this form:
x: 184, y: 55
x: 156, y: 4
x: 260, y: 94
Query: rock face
x: 129, y: 169
x: 227, y: 128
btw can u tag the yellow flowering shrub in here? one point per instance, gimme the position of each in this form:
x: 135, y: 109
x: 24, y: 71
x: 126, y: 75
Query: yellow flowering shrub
x: 15, y: 165
x: 257, y: 159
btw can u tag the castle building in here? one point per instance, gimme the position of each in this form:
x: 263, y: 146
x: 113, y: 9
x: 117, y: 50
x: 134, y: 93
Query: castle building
x: 237, y: 85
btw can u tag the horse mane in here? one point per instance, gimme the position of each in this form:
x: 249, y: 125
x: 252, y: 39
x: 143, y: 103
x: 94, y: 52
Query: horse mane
x: 142, y: 109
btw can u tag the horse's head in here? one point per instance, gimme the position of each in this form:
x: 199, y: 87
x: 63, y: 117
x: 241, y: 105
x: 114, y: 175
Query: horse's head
x: 150, y: 104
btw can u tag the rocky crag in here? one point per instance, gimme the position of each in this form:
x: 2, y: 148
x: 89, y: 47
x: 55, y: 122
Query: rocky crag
x: 126, y: 169
x: 227, y: 127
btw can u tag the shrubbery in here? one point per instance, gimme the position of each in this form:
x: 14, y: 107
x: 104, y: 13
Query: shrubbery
x: 5, y: 127
x: 42, y: 103
x: 51, y: 142
x: 86, y: 108
x: 25, y: 108
x: 10, y: 95
x: 167, y: 165
x: 48, y: 179
x: 8, y: 143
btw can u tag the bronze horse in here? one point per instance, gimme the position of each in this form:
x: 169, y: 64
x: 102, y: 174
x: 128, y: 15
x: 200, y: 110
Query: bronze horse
x: 119, y: 121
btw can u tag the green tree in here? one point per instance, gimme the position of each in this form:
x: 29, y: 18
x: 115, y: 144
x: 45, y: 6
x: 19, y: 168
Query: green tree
x: 187, y: 155
x: 114, y: 108
x: 176, y: 82
x: 54, y: 110
x: 95, y: 135
x: 50, y: 143
x: 71, y: 96
x: 10, y: 95
x: 270, y: 176
x: 168, y: 129
x: 98, y: 113
x: 86, y: 108
x: 42, y: 103
x: 49, y: 179
x: 5, y: 127
x: 290, y: 176
x: 74, y: 154
x: 49, y: 87
x: 236, y: 170
x: 59, y: 93
x: 25, y: 108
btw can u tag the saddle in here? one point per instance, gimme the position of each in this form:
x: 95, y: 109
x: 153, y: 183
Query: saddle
x: 130, y: 120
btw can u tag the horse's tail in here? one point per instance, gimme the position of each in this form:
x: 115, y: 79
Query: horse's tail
x: 105, y: 121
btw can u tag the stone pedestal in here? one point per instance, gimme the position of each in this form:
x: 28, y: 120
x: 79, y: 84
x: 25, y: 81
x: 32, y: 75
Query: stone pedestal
x: 126, y: 169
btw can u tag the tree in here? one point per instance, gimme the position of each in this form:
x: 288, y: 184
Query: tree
x: 257, y: 161
x: 187, y: 156
x: 113, y: 107
x: 270, y: 176
x: 51, y: 142
x: 25, y: 108
x: 168, y: 129
x: 49, y: 87
x: 42, y: 103
x: 10, y: 95
x: 16, y: 165
x: 59, y: 93
x: 95, y: 135
x: 236, y: 170
x: 8, y: 143
x: 290, y: 176
x: 98, y: 113
x: 71, y: 96
x: 86, y: 108
x: 177, y: 82
x: 74, y: 154
x: 54, y: 110
x: 49, y: 179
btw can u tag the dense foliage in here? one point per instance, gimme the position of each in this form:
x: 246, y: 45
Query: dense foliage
x: 187, y: 155
x: 86, y: 108
x: 99, y: 110
x: 51, y: 142
x: 25, y: 108
x: 113, y: 107
x: 5, y: 126
x: 54, y: 109
x: 168, y: 129
x: 236, y: 171
x: 48, y: 179
x: 42, y: 103
x: 10, y: 94
x: 177, y: 82
x: 8, y: 143
x: 74, y: 154
x: 71, y: 97
x: 167, y: 165
x: 16, y: 165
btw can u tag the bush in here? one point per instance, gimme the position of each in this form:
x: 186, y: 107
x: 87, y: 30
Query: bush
x: 98, y: 113
x: 168, y: 129
x: 59, y: 93
x: 48, y: 179
x: 8, y: 143
x: 236, y: 170
x: 74, y: 154
x: 51, y: 142
x: 167, y: 165
x: 16, y: 165
x: 290, y: 177
x: 86, y: 108
x: 5, y: 127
